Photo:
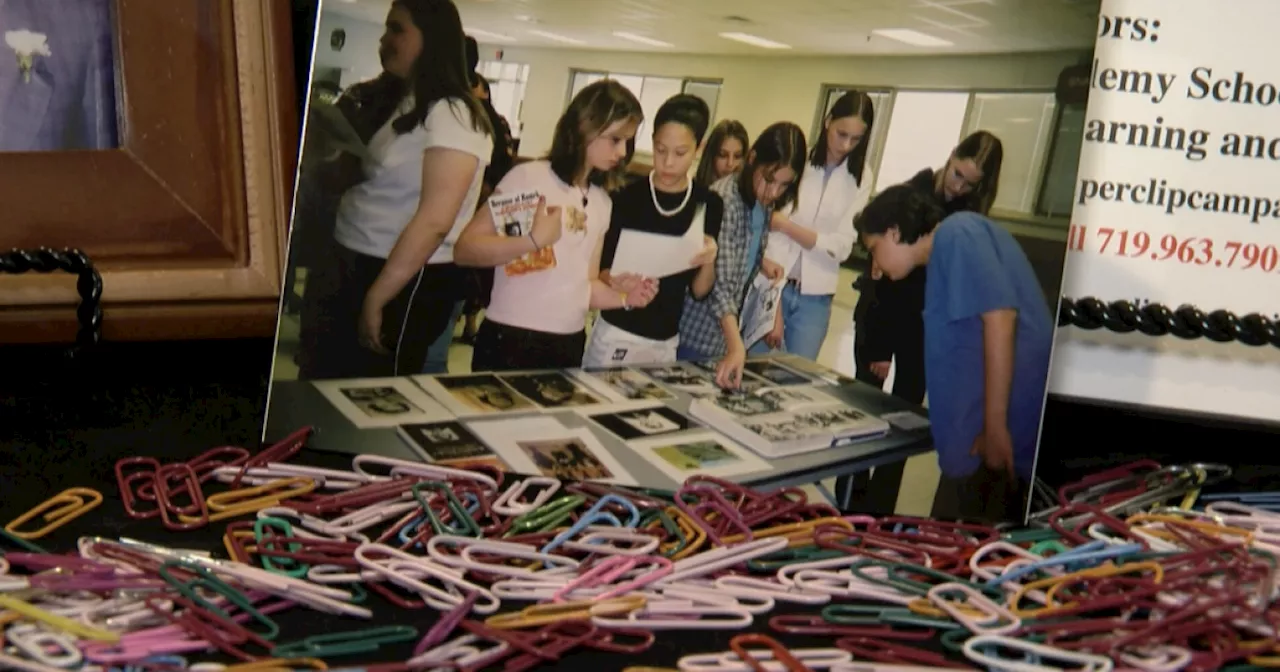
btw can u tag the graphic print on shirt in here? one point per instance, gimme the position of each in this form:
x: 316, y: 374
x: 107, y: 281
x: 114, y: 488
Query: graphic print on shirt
x: 513, y: 218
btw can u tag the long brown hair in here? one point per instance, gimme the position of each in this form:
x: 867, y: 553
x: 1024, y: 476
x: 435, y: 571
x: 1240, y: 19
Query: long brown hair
x: 851, y: 104
x: 595, y: 108
x: 724, y: 130
x: 440, y: 71
x: 985, y: 150
x: 781, y: 144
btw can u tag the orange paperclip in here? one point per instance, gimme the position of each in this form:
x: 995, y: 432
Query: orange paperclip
x: 57, y: 511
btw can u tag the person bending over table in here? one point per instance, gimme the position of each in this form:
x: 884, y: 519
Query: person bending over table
x: 549, y: 279
x: 987, y: 333
x: 888, y: 314
x: 670, y: 205
x: 709, y: 328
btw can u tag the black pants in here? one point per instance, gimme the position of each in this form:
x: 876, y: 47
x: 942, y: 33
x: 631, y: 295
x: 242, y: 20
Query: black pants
x: 501, y: 347
x: 985, y: 497
x: 411, y: 321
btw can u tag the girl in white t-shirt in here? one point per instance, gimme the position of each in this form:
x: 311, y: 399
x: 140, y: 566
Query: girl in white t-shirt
x: 392, y: 285
x: 548, y: 280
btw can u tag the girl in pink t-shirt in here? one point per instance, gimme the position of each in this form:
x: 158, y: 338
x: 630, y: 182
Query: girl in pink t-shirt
x: 546, y: 281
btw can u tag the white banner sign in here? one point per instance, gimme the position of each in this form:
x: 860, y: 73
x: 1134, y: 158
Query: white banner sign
x: 1178, y: 202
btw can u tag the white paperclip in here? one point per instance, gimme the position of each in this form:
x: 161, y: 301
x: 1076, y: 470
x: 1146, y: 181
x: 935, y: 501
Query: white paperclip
x: 845, y: 584
x: 748, y: 586
x: 811, y: 659
x: 460, y: 653
x: 8, y: 662
x: 720, y: 558
x: 786, y: 572
x: 651, y: 618
x: 595, y: 537
x: 361, y: 519
x: 1053, y: 658
x: 298, y: 522
x: 1001, y: 620
x: 508, y: 504
x: 48, y: 648
x: 1162, y: 658
x: 318, y: 597
x: 708, y: 594
x: 400, y: 468
x: 470, y: 546
x: 394, y: 567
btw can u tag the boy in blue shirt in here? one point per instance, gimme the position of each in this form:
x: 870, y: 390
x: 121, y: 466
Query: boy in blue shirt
x: 988, y: 337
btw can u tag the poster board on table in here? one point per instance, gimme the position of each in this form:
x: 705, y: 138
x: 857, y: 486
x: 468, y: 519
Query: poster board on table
x: 1178, y: 203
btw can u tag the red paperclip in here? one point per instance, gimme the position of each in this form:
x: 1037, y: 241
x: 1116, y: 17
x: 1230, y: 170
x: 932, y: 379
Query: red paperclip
x: 779, y: 653
x: 895, y: 654
x: 804, y: 624
x: 169, y: 514
x: 278, y: 452
x: 145, y: 480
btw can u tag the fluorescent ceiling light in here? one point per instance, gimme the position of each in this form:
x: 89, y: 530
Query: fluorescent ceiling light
x: 642, y: 39
x: 914, y: 38
x: 754, y: 41
x: 555, y: 37
x: 486, y: 35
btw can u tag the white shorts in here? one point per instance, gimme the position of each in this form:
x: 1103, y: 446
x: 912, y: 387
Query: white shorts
x: 610, y: 346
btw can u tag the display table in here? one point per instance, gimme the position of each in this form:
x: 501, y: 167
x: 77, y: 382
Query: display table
x: 295, y: 404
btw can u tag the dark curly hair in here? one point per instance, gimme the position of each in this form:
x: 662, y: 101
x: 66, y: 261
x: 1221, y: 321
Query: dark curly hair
x: 912, y: 212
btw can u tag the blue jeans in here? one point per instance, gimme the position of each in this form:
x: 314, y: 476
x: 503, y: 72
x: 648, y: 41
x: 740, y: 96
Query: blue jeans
x: 805, y: 319
x: 438, y: 355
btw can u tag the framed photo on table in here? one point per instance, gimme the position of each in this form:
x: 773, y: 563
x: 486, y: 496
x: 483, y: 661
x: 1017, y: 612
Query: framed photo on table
x: 177, y: 184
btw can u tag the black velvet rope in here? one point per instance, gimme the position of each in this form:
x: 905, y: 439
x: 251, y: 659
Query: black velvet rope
x: 1153, y: 319
x: 88, y: 285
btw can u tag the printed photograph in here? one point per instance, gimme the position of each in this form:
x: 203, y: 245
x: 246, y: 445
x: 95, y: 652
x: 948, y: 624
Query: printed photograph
x: 683, y: 377
x: 795, y: 396
x: 379, y: 401
x: 58, y: 79
x: 483, y: 393
x: 628, y: 384
x: 447, y: 443
x: 700, y: 456
x: 702, y: 453
x: 550, y: 390
x: 568, y: 459
x: 776, y: 374
x: 816, y: 370
x: 644, y: 422
x: 797, y: 426
x: 744, y: 405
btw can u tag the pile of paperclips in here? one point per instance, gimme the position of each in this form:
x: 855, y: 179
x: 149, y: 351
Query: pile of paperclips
x: 1123, y: 573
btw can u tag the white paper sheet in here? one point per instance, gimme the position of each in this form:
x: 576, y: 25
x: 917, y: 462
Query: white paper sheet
x: 381, y: 402
x: 654, y: 255
x: 702, y: 453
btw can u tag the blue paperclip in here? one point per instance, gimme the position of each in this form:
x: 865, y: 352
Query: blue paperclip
x: 176, y: 662
x: 1087, y: 555
x: 1267, y: 501
x: 594, y: 516
x: 411, y: 530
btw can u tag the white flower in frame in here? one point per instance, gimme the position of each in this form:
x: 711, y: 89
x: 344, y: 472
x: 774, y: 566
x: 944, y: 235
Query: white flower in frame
x: 26, y: 45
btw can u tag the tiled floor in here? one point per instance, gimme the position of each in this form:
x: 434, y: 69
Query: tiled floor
x: 920, y: 479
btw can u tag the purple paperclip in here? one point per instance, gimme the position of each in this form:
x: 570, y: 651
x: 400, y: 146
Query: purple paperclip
x: 135, y: 646
x: 92, y: 582
x: 446, y: 625
x: 46, y: 561
x: 606, y: 571
x: 662, y: 567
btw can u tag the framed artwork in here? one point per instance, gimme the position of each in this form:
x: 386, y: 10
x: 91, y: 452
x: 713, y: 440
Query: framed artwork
x: 698, y: 454
x: 543, y: 446
x: 472, y: 394
x: 173, y: 171
x: 381, y: 402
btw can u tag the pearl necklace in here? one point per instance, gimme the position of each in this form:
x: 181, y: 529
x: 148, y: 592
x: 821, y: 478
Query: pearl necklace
x: 653, y: 191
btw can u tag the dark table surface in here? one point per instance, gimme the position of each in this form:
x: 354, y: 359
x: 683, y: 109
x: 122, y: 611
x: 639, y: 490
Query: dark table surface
x: 66, y: 425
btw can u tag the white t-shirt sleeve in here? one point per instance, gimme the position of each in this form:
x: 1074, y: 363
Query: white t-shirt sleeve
x: 448, y: 125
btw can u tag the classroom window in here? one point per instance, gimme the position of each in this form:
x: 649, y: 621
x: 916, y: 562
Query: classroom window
x: 652, y: 91
x: 507, y: 83
x: 1059, y: 184
x: 1024, y: 123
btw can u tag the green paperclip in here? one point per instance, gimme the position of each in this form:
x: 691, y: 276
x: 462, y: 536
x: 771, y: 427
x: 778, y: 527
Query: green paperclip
x: 20, y: 543
x: 1048, y: 547
x: 911, y: 619
x: 358, y: 593
x: 919, y: 588
x: 463, y: 524
x: 1030, y: 536
x: 547, y: 516
x: 368, y: 640
x: 852, y: 614
x: 669, y: 526
x: 790, y: 556
x: 286, y: 566
x: 207, y: 580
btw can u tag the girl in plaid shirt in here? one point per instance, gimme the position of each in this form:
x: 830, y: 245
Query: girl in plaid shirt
x: 709, y: 327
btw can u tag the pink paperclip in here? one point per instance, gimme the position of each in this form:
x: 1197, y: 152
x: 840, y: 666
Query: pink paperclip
x: 392, y: 564
x: 663, y: 567
x: 135, y: 646
x: 461, y: 654
x: 605, y: 572
x: 416, y: 469
x: 509, y: 504
x: 1164, y: 658
x: 723, y: 557
x: 446, y: 625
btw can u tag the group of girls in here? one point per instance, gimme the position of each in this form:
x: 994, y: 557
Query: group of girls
x: 772, y: 206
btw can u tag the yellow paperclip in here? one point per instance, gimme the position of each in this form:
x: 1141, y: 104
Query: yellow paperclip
x: 1053, y: 583
x: 797, y: 534
x: 274, y: 664
x: 694, y: 536
x: 578, y: 610
x: 1214, y: 529
x: 57, y: 511
x: 233, y: 552
x: 62, y: 623
x: 233, y: 503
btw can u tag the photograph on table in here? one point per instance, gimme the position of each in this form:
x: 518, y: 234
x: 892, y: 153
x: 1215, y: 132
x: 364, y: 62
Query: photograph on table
x: 543, y: 445
x: 448, y: 444
x: 478, y: 394
x: 814, y: 370
x: 774, y: 373
x: 550, y: 390
x: 381, y: 402
x: 682, y: 376
x: 643, y: 422
x: 778, y: 422
x: 698, y: 454
x: 621, y: 385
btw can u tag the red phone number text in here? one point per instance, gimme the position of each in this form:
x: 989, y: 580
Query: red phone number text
x: 1195, y: 250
